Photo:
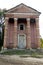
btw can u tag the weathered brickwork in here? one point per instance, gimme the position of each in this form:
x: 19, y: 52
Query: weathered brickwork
x: 5, y: 34
x: 15, y: 32
x: 37, y: 32
x: 21, y: 15
x: 32, y: 34
x: 28, y: 36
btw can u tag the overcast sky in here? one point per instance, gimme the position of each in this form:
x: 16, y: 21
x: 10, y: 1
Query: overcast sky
x: 36, y: 4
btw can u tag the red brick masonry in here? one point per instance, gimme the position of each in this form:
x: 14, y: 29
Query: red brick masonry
x: 31, y: 29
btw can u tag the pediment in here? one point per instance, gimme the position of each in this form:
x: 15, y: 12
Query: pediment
x: 22, y: 9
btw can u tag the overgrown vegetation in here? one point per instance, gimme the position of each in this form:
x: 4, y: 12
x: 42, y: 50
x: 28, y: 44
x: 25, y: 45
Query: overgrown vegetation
x: 41, y: 42
x: 24, y: 53
x: 1, y: 36
x: 1, y: 27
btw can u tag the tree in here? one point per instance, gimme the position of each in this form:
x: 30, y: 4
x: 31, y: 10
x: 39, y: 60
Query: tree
x: 2, y: 36
x: 0, y: 40
x: 2, y: 26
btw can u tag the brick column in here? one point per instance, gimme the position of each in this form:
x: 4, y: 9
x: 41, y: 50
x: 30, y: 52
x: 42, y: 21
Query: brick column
x: 5, y: 33
x: 37, y: 33
x: 15, y: 32
x: 28, y: 36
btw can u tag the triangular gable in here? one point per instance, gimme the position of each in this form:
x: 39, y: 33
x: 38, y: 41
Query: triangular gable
x: 22, y: 8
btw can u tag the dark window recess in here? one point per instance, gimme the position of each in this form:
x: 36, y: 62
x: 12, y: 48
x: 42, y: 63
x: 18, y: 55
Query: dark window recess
x: 11, y: 20
x: 21, y: 27
x: 32, y: 20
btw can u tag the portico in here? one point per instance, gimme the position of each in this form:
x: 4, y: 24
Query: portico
x: 22, y: 28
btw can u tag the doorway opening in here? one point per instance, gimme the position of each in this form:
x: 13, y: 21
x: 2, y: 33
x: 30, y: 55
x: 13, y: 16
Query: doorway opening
x: 21, y: 41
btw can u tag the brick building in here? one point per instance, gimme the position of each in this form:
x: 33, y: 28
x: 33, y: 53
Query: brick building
x: 22, y: 28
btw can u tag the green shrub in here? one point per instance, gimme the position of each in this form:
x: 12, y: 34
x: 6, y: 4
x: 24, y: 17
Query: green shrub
x: 41, y: 42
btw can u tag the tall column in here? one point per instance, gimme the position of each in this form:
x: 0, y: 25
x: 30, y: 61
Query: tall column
x: 15, y: 32
x: 28, y: 36
x: 5, y: 33
x: 37, y: 33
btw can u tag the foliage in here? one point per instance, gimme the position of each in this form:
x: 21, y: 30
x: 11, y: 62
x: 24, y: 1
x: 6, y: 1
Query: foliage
x: 1, y: 26
x: 41, y: 42
x: 24, y: 53
x: 2, y: 12
x: 0, y: 40
x: 2, y: 36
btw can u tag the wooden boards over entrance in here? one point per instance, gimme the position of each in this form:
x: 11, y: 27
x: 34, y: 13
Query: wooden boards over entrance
x: 21, y: 41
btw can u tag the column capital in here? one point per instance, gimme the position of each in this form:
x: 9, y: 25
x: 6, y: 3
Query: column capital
x: 15, y: 18
x: 28, y: 19
x: 6, y: 18
x: 37, y: 18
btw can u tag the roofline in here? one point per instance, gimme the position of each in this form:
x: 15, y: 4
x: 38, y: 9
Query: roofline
x: 25, y: 5
x: 31, y: 8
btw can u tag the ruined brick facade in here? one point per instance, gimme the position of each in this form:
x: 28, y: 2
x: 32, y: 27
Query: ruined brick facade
x: 26, y: 37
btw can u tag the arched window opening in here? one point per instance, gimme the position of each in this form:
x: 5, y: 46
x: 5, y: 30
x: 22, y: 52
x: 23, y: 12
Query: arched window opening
x: 21, y: 23
x: 21, y: 26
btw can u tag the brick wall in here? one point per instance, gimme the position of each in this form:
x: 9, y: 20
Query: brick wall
x: 15, y: 32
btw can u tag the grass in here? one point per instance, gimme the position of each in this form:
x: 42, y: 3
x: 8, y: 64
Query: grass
x: 24, y: 53
x: 36, y: 55
x: 17, y: 52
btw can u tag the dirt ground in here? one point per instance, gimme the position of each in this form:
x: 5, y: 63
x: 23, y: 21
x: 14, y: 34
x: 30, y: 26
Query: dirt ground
x: 17, y: 60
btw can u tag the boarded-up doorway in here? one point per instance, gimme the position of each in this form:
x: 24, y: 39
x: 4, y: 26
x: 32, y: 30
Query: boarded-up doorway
x: 21, y: 41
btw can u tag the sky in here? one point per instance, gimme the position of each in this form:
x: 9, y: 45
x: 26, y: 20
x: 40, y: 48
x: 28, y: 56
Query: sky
x: 36, y: 4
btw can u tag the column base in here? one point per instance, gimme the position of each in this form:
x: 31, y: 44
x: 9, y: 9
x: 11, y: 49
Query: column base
x: 38, y: 48
x: 29, y: 48
x: 15, y: 48
x: 4, y: 48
